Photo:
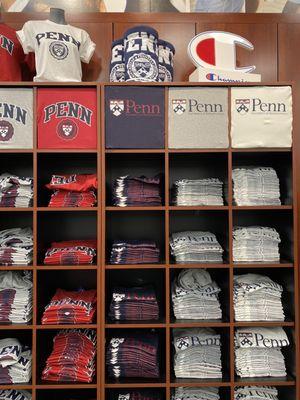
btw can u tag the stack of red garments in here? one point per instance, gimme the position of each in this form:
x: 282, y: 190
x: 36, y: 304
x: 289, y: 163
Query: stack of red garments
x: 71, y: 307
x: 72, y: 358
x: 71, y: 252
x: 73, y: 190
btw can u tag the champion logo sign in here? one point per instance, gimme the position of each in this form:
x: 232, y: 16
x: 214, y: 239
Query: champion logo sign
x: 130, y: 107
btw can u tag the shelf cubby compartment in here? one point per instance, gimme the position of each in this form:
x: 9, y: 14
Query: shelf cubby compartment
x: 20, y: 164
x: 140, y: 277
x: 72, y: 280
x: 221, y: 277
x: 122, y: 164
x: 144, y: 225
x: 198, y: 166
x: 282, y: 162
x: 44, y: 346
x: 61, y: 164
x: 62, y: 394
x: 224, y: 391
x: 214, y: 221
x: 123, y: 332
x: 60, y: 226
x: 225, y: 351
x: 281, y: 220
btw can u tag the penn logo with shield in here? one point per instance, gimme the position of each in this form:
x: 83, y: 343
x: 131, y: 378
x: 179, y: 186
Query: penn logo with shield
x: 242, y: 106
x: 116, y: 107
x: 6, y: 131
x: 179, y: 106
x: 124, y: 396
x: 182, y: 343
x: 142, y: 67
x: 58, y: 50
x: 67, y: 129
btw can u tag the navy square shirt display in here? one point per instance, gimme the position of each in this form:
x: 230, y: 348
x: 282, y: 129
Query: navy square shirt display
x: 135, y: 117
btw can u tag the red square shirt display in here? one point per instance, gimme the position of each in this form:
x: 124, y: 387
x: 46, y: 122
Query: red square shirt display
x: 67, y: 118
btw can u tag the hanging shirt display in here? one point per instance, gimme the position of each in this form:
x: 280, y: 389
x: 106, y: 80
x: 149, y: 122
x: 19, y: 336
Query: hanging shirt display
x: 198, y: 118
x: 59, y: 50
x: 261, y: 117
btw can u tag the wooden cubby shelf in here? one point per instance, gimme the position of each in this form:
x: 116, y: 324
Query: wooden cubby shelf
x: 106, y: 222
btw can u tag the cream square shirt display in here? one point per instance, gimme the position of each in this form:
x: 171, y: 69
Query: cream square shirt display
x: 59, y: 50
x: 261, y: 117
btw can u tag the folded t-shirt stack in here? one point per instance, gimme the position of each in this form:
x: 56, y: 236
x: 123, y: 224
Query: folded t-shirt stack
x: 140, y: 394
x: 133, y: 356
x: 76, y: 190
x: 256, y: 393
x: 73, y: 357
x: 15, y: 297
x: 198, y: 192
x: 257, y: 298
x: 198, y: 353
x: 196, y: 393
x: 255, y: 186
x: 15, y: 191
x: 134, y: 252
x: 258, y: 352
x: 135, y: 303
x: 195, y: 295
x: 71, y: 252
x: 196, y: 247
x: 68, y: 307
x: 16, y: 246
x: 139, y: 191
x: 9, y: 394
x: 15, y: 362
x: 255, y: 244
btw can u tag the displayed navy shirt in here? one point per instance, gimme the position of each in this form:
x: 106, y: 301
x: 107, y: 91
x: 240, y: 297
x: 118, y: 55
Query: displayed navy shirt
x: 134, y: 117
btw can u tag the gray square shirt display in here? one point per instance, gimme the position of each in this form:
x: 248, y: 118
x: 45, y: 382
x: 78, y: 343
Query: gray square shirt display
x: 16, y: 128
x: 198, y: 118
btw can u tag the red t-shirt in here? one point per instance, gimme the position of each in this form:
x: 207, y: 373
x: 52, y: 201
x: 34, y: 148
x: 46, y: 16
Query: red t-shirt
x: 11, y: 55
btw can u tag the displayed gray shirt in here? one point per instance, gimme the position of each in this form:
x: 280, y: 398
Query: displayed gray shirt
x: 198, y: 118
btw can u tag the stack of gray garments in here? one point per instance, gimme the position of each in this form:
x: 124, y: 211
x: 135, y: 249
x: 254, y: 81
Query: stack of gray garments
x: 8, y: 394
x: 15, y: 191
x: 257, y: 298
x: 256, y: 393
x: 15, y: 362
x: 15, y: 297
x: 198, y: 353
x: 258, y: 352
x: 196, y: 393
x: 16, y: 246
x: 256, y: 186
x: 198, y: 192
x: 195, y: 247
x: 195, y: 295
x: 255, y: 244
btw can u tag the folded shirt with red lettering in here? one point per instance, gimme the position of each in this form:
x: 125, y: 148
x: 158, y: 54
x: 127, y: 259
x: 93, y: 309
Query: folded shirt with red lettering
x: 15, y: 362
x: 72, y: 358
x: 76, y: 190
x: 68, y: 307
x: 72, y: 252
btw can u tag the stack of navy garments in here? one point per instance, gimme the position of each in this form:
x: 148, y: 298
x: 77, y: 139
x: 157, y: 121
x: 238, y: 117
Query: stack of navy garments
x: 134, y: 252
x: 195, y: 295
x: 198, y: 192
x: 133, y: 356
x: 141, y: 394
x: 137, y: 191
x: 196, y: 393
x: 196, y: 247
x: 257, y: 298
x: 136, y: 303
x: 255, y: 244
x: 197, y: 353
x: 15, y: 191
x: 255, y: 186
x: 256, y: 393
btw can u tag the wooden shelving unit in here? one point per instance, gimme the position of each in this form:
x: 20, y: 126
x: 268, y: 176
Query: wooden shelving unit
x: 161, y: 222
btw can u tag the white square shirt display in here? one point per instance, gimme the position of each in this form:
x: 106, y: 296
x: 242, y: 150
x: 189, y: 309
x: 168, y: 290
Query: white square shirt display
x: 261, y: 117
x: 59, y: 50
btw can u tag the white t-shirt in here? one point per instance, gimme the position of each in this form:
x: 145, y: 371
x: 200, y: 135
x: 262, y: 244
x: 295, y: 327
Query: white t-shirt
x: 59, y: 50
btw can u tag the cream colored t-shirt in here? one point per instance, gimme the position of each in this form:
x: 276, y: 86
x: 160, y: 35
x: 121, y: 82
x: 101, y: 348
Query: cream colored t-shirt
x: 59, y: 50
